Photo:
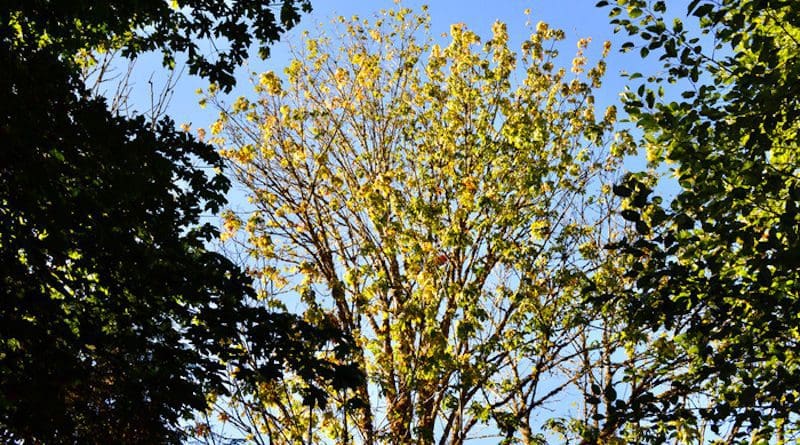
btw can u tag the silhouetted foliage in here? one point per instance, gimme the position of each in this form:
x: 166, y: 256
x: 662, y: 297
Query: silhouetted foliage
x: 115, y: 318
x: 108, y: 290
x: 146, y: 25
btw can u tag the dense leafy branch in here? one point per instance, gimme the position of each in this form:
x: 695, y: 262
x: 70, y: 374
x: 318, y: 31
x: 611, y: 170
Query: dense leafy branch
x: 178, y: 27
x: 718, y: 265
x: 117, y: 321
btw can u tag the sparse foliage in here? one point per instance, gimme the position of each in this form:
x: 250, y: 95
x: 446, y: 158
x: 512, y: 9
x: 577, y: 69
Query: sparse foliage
x: 446, y: 206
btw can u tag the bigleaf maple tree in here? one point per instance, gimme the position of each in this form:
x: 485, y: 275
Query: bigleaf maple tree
x: 444, y: 214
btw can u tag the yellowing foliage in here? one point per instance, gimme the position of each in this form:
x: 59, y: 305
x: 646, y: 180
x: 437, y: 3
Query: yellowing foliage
x: 434, y: 207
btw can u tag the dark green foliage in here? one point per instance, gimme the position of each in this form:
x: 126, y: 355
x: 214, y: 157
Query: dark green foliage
x: 115, y: 319
x: 719, y: 266
x: 147, y: 25
x: 111, y: 306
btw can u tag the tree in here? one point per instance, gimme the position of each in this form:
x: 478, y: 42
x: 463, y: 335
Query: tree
x: 116, y: 319
x: 717, y: 267
x: 178, y: 27
x: 96, y: 269
x: 446, y: 218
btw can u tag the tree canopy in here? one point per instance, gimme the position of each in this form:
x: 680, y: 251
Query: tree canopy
x: 438, y: 243
x: 104, y: 267
x: 445, y: 215
x: 173, y: 28
x: 717, y: 266
x: 116, y: 318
